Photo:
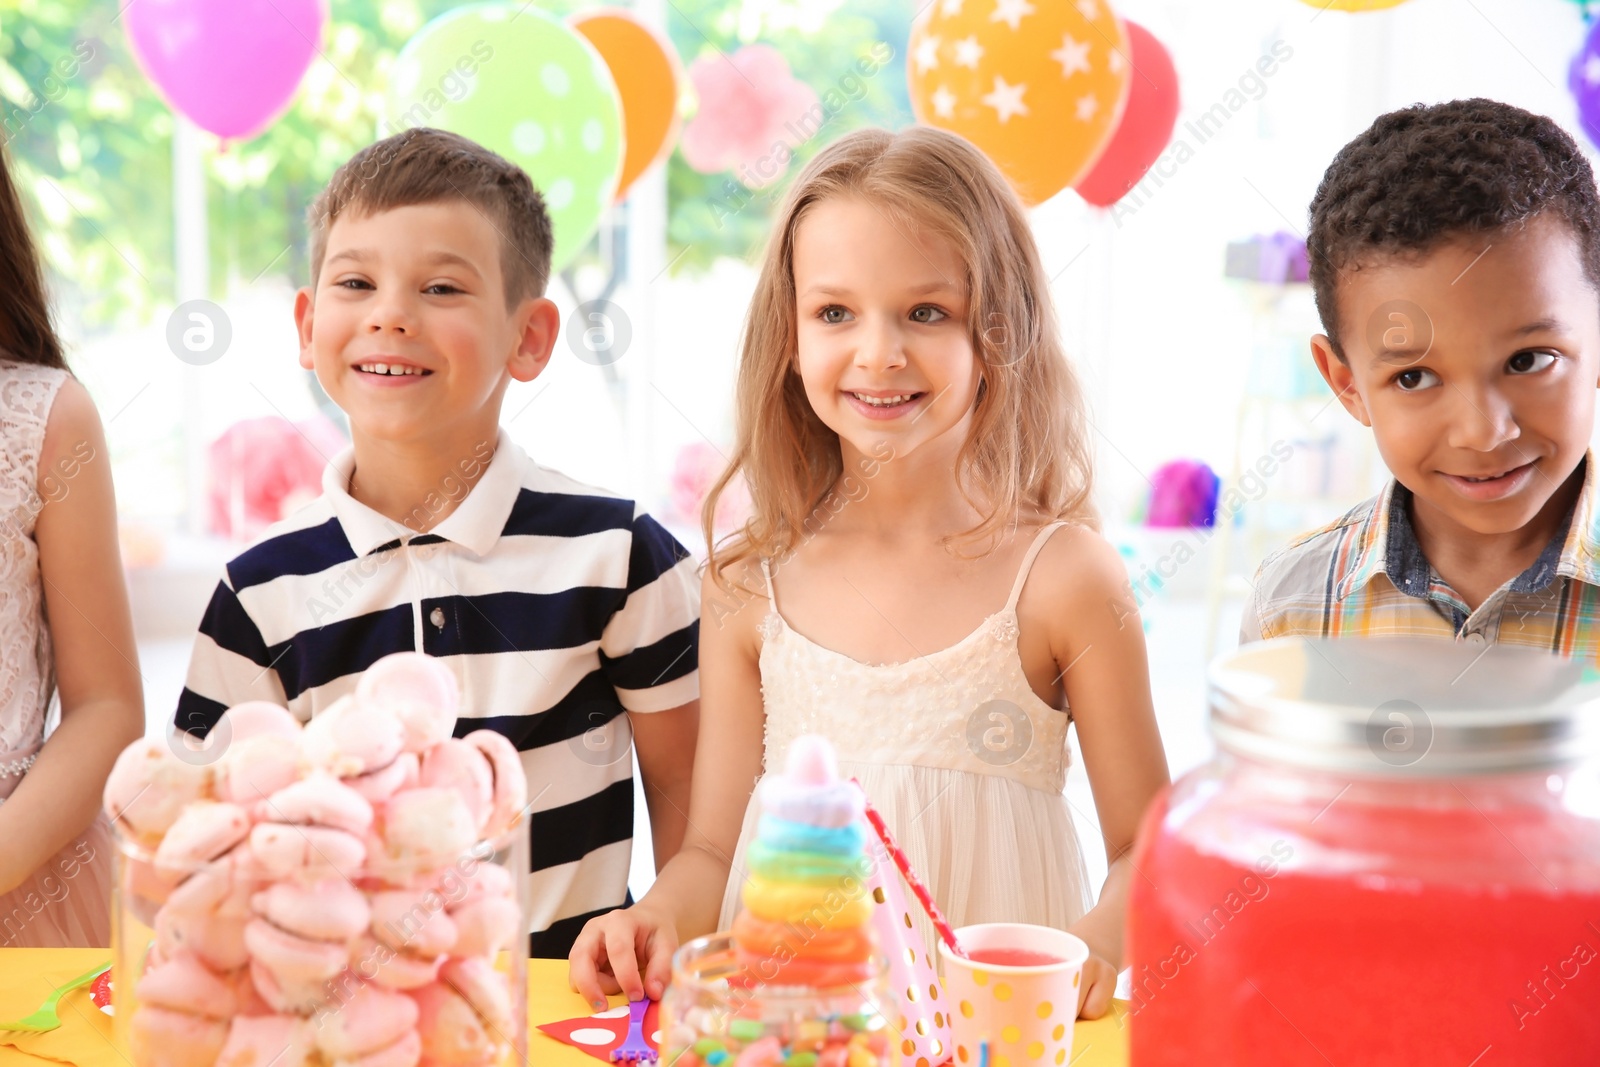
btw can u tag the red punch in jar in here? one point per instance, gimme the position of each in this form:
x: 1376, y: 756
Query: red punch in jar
x: 1393, y: 858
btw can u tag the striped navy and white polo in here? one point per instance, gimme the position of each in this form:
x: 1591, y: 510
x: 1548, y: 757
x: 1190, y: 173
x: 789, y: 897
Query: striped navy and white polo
x: 558, y: 606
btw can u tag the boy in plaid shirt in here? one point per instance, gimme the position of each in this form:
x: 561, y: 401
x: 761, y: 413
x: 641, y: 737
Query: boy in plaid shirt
x: 1455, y: 258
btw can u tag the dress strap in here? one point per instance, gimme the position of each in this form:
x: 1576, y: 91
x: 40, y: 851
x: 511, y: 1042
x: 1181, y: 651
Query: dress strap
x: 766, y: 572
x: 1027, y: 561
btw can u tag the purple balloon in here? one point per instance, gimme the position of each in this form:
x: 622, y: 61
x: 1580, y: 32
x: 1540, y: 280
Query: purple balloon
x: 231, y: 66
x: 1583, y: 78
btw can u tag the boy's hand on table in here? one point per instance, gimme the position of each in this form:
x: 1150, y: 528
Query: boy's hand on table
x: 607, y: 956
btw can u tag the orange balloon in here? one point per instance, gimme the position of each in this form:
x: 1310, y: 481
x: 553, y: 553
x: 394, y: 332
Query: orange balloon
x: 648, y: 74
x: 1038, y: 85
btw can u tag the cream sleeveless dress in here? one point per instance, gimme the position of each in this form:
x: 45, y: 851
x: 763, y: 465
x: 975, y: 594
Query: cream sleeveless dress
x: 67, y: 901
x: 964, y: 761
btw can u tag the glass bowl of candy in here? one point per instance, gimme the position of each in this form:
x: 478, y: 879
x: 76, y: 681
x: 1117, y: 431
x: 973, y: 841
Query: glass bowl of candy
x: 353, y: 891
x: 721, y: 1012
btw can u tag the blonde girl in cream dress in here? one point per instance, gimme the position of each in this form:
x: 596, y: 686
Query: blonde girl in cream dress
x: 920, y: 579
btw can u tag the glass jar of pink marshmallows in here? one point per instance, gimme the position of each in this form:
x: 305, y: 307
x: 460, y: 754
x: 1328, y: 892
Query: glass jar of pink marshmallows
x: 354, y: 890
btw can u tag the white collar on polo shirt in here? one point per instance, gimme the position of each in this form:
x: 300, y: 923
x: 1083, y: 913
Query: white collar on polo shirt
x: 475, y: 524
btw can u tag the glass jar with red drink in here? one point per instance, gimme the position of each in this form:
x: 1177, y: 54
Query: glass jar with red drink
x: 1393, y: 858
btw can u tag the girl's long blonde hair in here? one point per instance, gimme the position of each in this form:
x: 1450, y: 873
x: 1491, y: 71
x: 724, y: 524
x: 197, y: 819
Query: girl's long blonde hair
x: 1027, y: 448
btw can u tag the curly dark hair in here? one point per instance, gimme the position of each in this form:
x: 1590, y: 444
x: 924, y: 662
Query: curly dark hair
x: 1427, y: 173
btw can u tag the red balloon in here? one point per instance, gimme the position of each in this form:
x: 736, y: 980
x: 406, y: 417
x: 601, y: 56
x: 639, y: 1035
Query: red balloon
x: 1147, y: 122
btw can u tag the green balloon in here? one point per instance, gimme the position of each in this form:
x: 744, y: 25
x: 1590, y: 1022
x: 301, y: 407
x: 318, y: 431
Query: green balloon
x: 524, y: 85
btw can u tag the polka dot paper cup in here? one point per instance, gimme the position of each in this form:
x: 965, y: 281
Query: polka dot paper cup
x: 1019, y: 993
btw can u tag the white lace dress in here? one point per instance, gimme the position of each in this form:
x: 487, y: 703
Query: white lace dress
x: 964, y: 761
x: 67, y: 901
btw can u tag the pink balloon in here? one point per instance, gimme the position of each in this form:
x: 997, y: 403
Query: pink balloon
x: 231, y: 66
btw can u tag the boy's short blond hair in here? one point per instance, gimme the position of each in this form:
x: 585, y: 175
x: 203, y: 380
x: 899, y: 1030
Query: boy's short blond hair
x: 424, y: 166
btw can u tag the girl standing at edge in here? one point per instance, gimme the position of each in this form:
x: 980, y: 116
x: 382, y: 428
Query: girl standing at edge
x: 65, y: 626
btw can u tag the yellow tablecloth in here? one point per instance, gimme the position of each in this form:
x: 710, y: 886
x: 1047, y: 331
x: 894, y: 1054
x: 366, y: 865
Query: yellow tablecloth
x: 28, y: 975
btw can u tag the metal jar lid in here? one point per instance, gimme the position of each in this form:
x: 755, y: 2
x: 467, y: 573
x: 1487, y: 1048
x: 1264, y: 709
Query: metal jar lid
x: 1404, y: 707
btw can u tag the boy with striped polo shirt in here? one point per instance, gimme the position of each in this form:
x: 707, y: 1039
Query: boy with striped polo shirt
x: 1455, y: 258
x: 568, y: 615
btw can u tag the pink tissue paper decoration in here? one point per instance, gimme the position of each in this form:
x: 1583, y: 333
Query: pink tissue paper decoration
x: 263, y: 469
x: 753, y: 113
x: 1183, y: 493
x: 916, y: 994
x: 695, y: 471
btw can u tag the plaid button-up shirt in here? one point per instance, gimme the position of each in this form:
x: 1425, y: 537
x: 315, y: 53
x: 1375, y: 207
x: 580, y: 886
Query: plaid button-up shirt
x: 1365, y: 575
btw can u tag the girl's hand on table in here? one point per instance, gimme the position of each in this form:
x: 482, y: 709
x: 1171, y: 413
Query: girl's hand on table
x: 613, y: 949
x: 1095, y: 987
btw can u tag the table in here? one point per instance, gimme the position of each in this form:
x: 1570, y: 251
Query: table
x: 28, y: 975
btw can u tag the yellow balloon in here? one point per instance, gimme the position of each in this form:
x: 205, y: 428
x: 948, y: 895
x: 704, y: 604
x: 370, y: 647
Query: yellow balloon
x: 1038, y: 85
x: 1352, y: 5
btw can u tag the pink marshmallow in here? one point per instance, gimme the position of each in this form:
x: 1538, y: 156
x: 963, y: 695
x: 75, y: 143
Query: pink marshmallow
x: 484, y: 988
x: 306, y: 851
x: 510, y: 780
x: 204, y: 891
x: 487, y: 925
x: 259, y: 718
x: 257, y: 767
x: 407, y: 1052
x: 300, y: 997
x: 205, y: 830
x: 455, y: 764
x: 182, y: 983
x: 485, y: 880
x: 378, y: 786
x: 263, y: 1040
x: 222, y: 888
x: 148, y: 788
x: 318, y: 800
x: 427, y: 827
x: 352, y: 737
x: 217, y: 940
x: 160, y: 1037
x: 145, y: 887
x: 251, y: 1002
x: 291, y: 959
x: 329, y: 909
x: 392, y: 969
x: 419, y: 690
x: 372, y: 1018
x: 412, y: 921
x: 453, y: 1034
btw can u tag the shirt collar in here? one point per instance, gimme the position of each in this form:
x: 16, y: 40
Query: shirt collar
x: 1371, y: 543
x: 1387, y: 544
x: 1580, y: 553
x: 475, y: 524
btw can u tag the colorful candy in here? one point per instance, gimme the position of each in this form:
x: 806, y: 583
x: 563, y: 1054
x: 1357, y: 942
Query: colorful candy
x: 746, y: 1042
